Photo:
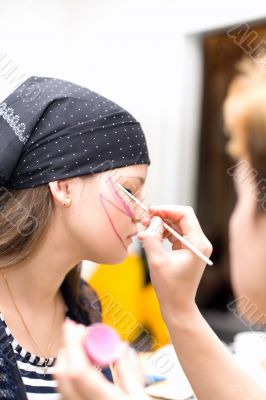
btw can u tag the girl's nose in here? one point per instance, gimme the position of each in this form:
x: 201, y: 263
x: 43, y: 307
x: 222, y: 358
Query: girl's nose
x: 138, y: 213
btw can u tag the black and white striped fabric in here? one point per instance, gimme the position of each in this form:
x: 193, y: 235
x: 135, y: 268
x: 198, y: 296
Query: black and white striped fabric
x: 39, y: 386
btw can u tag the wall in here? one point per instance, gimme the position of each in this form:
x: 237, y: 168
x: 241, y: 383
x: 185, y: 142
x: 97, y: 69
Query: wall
x: 145, y: 55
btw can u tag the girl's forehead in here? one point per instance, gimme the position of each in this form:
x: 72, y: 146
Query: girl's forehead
x: 133, y: 171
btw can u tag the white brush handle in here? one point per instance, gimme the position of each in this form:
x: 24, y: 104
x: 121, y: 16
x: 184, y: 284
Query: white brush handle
x: 168, y: 228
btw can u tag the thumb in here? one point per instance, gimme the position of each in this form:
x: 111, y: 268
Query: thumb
x: 127, y: 373
x: 152, y: 238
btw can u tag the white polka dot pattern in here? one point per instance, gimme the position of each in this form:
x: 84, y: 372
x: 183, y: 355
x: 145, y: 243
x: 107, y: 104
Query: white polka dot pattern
x: 70, y: 131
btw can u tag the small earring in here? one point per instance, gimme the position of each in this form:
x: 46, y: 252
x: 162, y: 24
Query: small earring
x: 67, y: 202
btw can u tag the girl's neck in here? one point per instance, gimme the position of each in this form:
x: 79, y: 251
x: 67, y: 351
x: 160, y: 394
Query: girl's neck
x: 37, y: 279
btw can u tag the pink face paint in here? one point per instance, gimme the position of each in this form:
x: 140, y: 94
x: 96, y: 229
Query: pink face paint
x: 102, y: 345
x: 102, y: 199
x: 124, y: 207
x: 119, y: 198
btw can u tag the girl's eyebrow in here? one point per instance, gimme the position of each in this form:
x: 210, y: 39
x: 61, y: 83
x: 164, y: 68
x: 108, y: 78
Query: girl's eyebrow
x: 142, y: 180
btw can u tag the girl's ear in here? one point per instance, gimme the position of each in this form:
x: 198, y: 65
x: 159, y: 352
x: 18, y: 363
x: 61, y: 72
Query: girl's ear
x: 59, y: 191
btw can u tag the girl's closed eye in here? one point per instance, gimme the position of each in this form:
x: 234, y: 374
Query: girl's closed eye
x: 128, y: 190
x: 136, y: 192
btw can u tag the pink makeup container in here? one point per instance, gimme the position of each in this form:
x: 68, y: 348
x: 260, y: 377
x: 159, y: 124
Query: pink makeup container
x: 102, y: 345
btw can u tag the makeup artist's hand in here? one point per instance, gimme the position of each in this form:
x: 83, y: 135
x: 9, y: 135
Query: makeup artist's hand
x: 79, y: 380
x: 175, y: 274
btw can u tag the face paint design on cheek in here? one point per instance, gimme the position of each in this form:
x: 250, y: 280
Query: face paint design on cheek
x: 125, y: 208
x: 102, y: 198
x: 120, y: 198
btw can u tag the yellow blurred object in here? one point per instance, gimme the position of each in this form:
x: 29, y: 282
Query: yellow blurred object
x: 151, y: 315
x: 127, y: 304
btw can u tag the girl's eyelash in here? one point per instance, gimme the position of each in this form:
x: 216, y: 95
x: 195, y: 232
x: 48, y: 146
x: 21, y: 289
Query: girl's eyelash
x: 128, y: 190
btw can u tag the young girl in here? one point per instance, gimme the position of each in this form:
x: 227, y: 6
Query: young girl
x: 63, y: 148
x: 210, y: 368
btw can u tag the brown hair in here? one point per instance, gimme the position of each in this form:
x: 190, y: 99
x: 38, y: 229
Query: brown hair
x: 245, y: 113
x: 25, y: 216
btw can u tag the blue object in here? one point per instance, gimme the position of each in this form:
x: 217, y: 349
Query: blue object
x: 151, y: 379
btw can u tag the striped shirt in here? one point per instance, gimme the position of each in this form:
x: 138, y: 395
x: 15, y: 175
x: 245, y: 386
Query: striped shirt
x: 38, y: 386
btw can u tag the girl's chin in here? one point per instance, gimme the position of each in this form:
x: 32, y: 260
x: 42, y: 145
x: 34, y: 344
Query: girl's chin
x: 117, y: 258
x: 120, y: 258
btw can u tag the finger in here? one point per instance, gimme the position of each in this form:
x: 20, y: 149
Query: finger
x: 152, y: 238
x: 183, y: 216
x: 74, y: 371
x: 154, y: 228
x: 176, y: 244
x: 64, y: 384
x: 128, y: 374
x: 74, y: 335
x: 76, y: 363
x: 66, y: 390
x: 186, y: 224
x: 168, y: 235
x: 145, y: 221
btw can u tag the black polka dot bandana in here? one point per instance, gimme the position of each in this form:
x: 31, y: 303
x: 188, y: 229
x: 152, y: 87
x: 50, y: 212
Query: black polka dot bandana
x: 52, y: 129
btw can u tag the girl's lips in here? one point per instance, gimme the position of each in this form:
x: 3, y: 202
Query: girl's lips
x: 133, y: 234
x: 130, y: 237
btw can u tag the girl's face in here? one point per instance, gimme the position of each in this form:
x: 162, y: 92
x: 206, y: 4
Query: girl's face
x: 247, y: 231
x: 103, y: 219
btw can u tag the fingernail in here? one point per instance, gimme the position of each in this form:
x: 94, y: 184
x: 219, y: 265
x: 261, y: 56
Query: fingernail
x: 155, y: 224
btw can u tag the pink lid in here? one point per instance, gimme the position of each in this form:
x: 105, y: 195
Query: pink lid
x: 102, y: 344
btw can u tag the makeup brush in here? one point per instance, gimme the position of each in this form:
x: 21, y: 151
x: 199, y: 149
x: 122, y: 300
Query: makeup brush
x: 168, y: 228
